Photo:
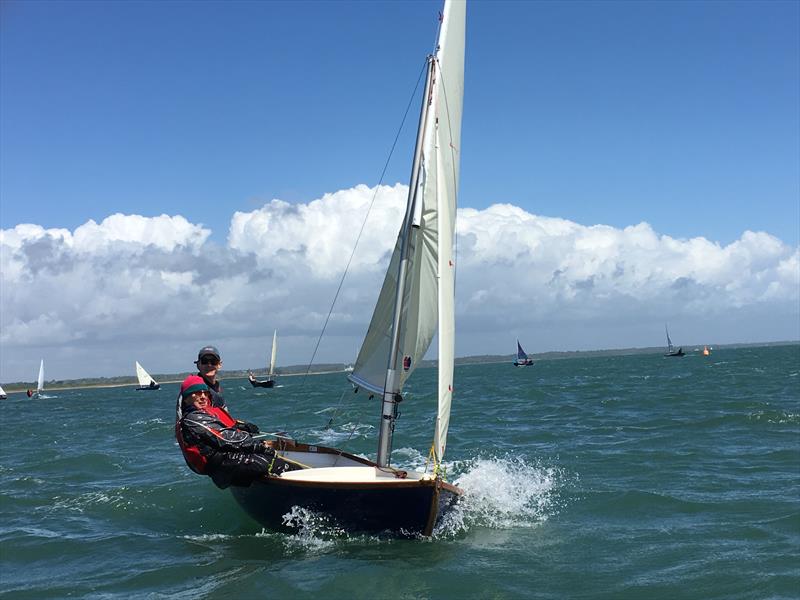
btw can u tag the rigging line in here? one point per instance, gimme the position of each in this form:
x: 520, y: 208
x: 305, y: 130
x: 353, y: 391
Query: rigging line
x: 336, y: 410
x: 363, y: 225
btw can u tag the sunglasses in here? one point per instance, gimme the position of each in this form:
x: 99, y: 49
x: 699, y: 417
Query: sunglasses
x: 209, y: 361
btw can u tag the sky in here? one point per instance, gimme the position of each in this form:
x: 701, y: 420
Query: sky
x: 174, y: 174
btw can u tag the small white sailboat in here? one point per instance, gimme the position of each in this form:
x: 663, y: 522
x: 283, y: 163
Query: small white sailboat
x: 39, y: 383
x: 146, y: 382
x: 416, y: 301
x: 3, y: 394
x: 270, y: 381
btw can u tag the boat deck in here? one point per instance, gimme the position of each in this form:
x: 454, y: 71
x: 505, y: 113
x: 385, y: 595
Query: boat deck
x: 353, y: 475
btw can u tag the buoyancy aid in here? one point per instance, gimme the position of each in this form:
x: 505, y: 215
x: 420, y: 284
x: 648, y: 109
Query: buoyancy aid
x: 195, y: 459
x: 191, y: 454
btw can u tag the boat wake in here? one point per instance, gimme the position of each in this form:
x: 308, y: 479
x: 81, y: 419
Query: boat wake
x: 501, y: 493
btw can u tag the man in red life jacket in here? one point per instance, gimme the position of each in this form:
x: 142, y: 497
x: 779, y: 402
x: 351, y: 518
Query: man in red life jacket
x: 215, y: 444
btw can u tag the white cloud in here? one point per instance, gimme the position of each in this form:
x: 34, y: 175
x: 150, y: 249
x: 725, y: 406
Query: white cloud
x: 133, y: 285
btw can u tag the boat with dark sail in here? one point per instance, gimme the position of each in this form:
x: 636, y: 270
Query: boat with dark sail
x: 522, y: 358
x: 270, y: 380
x: 416, y: 301
x: 671, y: 351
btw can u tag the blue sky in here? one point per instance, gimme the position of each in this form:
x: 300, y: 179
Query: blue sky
x: 623, y: 164
x: 681, y: 114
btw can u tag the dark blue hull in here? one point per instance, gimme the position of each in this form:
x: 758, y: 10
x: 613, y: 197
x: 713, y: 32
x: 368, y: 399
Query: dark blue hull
x: 404, y: 509
x: 263, y: 384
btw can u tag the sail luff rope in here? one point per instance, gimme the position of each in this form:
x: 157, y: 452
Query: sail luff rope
x: 453, y: 150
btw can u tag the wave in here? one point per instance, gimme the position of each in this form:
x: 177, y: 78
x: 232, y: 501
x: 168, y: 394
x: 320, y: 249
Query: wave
x: 504, y: 492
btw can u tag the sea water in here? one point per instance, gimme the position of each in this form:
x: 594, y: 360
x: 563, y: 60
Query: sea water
x: 605, y: 477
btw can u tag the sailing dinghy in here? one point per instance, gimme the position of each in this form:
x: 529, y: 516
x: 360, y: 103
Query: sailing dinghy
x: 3, y: 394
x: 145, y: 381
x: 671, y: 351
x: 39, y: 383
x: 522, y: 358
x: 270, y: 382
x: 417, y: 296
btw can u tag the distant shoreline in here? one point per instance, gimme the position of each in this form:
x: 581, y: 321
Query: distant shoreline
x: 298, y: 370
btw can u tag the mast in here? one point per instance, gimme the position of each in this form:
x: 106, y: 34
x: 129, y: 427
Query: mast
x: 391, y: 388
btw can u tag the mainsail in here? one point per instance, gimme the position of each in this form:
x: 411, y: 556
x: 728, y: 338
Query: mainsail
x: 40, y: 380
x: 520, y: 352
x: 425, y: 242
x: 274, y: 351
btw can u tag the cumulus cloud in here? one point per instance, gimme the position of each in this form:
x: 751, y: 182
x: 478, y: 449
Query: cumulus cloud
x: 158, y: 286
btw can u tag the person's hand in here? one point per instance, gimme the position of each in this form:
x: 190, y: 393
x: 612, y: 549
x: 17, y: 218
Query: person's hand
x: 248, y: 427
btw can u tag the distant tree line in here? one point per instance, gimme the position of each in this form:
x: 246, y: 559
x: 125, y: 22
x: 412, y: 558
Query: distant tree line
x: 337, y: 367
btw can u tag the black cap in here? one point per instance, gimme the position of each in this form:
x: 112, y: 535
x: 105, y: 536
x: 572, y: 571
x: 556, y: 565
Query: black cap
x: 208, y: 350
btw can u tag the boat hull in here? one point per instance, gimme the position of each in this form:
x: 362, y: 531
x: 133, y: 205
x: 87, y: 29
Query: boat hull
x: 403, y: 510
x: 262, y: 384
x: 143, y: 388
x: 355, y: 496
x: 523, y: 363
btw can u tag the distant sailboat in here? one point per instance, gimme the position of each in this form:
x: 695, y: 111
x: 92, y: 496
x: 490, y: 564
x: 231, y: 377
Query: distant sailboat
x: 3, y: 395
x: 706, y: 351
x: 522, y: 358
x: 39, y: 383
x: 145, y: 381
x: 670, y: 348
x: 270, y: 382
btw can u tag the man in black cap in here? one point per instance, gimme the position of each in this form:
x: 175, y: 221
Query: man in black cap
x: 208, y: 365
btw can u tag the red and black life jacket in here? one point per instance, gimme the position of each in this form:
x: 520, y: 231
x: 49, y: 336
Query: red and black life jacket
x: 195, y: 459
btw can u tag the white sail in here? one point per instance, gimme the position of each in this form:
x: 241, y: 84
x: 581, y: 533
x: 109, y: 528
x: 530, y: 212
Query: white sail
x: 448, y: 100
x: 429, y: 290
x: 143, y: 376
x: 40, y: 380
x: 274, y: 352
x: 2, y: 392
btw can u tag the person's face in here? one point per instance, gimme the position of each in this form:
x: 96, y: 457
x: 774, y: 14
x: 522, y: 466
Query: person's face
x: 200, y: 399
x: 208, y: 366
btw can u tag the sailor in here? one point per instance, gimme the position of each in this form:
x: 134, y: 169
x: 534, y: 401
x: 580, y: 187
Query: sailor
x: 208, y: 365
x: 214, y: 444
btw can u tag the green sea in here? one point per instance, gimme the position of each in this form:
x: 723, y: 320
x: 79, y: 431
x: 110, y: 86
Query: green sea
x: 605, y: 477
